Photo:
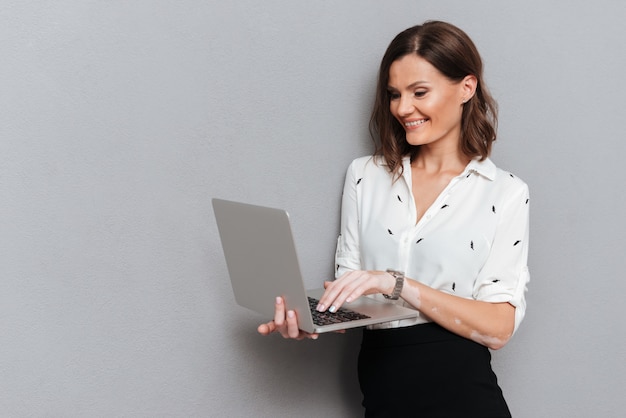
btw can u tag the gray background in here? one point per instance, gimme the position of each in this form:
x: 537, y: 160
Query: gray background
x: 120, y: 120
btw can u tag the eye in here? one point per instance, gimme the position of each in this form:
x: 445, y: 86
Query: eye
x: 420, y: 93
x: 393, y: 95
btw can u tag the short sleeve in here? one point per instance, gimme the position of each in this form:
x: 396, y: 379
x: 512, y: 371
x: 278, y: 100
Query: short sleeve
x: 504, y: 276
x: 347, y: 255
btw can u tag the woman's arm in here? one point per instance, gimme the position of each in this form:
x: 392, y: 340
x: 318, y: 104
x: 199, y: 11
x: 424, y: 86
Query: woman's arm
x: 487, y: 323
x: 490, y: 324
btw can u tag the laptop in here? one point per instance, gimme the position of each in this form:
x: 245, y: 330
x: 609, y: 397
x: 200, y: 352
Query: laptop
x: 262, y: 263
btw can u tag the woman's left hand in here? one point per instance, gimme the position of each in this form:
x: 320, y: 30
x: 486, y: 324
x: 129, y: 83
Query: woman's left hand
x: 352, y: 285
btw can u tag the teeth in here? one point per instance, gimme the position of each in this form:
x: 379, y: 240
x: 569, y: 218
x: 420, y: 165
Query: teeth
x: 415, y: 123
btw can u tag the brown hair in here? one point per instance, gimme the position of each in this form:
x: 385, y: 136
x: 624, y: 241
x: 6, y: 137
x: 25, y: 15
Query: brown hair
x: 453, y: 53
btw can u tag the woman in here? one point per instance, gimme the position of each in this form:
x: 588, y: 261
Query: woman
x: 431, y: 223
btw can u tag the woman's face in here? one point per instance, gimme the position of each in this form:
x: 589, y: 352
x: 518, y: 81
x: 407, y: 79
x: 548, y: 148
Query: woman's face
x: 426, y: 103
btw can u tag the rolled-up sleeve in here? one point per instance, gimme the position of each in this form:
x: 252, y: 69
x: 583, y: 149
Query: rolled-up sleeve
x: 505, y: 274
x: 347, y: 255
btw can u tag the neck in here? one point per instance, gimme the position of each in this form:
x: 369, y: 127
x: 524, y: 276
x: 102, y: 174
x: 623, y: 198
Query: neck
x: 434, y: 161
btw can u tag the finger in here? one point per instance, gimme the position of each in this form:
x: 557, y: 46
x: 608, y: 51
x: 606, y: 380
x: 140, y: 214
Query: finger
x: 331, y: 292
x: 357, y: 284
x: 341, y: 289
x: 279, y: 312
x: 266, y: 329
x: 355, y: 288
x: 293, y: 331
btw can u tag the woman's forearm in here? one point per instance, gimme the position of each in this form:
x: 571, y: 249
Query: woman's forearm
x: 490, y: 324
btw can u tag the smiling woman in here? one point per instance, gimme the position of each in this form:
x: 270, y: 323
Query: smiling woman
x: 445, y: 55
x: 430, y: 108
x: 429, y: 222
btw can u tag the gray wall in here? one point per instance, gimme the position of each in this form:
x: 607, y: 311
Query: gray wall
x: 119, y: 121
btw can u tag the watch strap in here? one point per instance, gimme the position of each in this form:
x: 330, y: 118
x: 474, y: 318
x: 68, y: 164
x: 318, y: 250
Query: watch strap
x: 399, y: 276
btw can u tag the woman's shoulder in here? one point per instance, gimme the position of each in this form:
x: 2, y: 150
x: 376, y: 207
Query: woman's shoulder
x: 503, y: 181
x: 488, y: 169
x: 509, y: 183
x: 369, y: 166
x: 369, y: 163
x: 510, y: 178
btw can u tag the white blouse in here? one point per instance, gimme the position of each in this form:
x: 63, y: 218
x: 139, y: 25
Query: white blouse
x: 472, y: 242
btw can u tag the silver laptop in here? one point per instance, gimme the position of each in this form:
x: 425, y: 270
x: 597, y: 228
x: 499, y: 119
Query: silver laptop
x: 262, y: 263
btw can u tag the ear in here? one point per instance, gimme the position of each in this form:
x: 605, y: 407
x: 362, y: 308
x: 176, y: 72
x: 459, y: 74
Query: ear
x: 468, y: 87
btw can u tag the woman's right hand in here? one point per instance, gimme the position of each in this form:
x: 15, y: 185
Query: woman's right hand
x: 286, y: 323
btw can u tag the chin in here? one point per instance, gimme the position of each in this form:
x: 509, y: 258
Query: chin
x: 416, y: 141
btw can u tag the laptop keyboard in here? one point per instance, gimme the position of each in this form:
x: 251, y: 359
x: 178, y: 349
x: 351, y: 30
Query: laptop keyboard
x: 328, y: 318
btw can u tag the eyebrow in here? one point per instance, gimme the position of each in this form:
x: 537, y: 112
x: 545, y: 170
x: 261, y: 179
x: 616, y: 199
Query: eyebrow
x: 410, y: 86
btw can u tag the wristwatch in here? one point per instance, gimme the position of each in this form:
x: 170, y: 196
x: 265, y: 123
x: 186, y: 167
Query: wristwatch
x: 399, y: 276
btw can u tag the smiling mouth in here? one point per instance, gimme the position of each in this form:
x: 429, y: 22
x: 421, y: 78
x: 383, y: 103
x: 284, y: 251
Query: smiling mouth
x: 415, y: 123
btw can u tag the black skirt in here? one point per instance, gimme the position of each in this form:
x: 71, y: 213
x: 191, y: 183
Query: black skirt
x: 427, y: 371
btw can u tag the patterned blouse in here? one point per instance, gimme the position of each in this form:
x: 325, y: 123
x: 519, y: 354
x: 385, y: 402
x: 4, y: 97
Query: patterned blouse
x: 472, y: 242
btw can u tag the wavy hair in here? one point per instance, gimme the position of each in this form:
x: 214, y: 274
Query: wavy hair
x: 453, y: 54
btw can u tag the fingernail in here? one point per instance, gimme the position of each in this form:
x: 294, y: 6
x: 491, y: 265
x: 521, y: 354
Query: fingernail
x: 290, y: 314
x: 319, y: 307
x: 279, y: 300
x: 314, y: 337
x: 332, y: 309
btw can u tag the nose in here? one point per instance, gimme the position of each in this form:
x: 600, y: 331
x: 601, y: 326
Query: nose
x: 405, y: 105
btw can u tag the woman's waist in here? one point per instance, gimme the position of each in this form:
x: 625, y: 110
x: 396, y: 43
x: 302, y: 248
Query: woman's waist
x: 425, y: 333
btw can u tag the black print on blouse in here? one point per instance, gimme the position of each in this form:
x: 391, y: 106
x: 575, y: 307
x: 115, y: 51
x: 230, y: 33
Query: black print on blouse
x: 527, y: 201
x: 493, y: 209
x: 444, y: 206
x: 359, y: 181
x: 389, y: 230
x: 419, y: 240
x: 472, y: 245
x: 399, y: 198
x: 516, y: 242
x: 468, y: 175
x: 454, y: 286
x: 495, y: 280
x: 512, y: 176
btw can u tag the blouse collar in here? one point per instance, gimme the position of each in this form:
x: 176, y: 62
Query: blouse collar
x: 485, y: 168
